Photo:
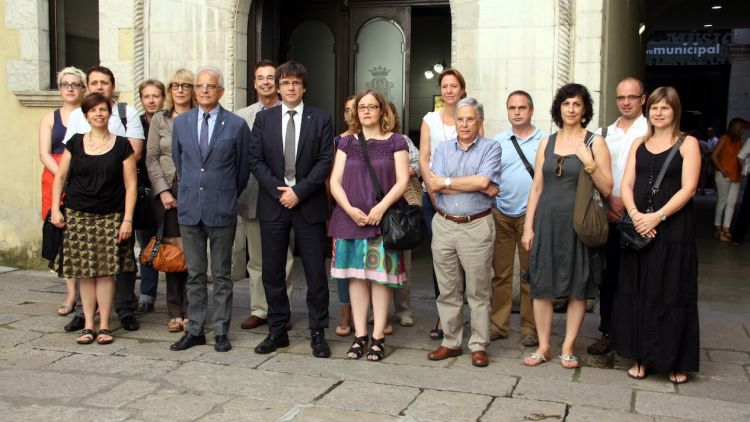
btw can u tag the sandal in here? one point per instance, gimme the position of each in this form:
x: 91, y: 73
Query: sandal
x: 64, y: 309
x: 104, y: 332
x: 640, y: 372
x: 388, y: 330
x: 436, y: 333
x: 379, y: 354
x: 343, y: 331
x: 678, y: 378
x: 534, y: 359
x: 86, y: 336
x: 174, y: 325
x: 569, y: 362
x: 725, y: 235
x: 359, y: 350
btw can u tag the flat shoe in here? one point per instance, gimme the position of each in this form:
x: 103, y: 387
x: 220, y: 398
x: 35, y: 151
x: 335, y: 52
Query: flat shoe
x: 569, y: 362
x: 64, y: 309
x: 388, y: 330
x: 534, y: 359
x: 343, y: 331
x: 174, y: 325
x: 406, y: 321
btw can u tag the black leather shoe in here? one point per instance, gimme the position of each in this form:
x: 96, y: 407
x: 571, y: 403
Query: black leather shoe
x: 129, y: 323
x: 75, y: 324
x: 222, y: 344
x: 271, y: 343
x: 187, y: 341
x: 319, y: 344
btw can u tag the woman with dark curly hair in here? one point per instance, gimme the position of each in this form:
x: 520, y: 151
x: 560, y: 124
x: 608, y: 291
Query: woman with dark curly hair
x: 560, y: 265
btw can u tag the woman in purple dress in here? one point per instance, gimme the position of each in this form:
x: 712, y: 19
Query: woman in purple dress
x: 358, y: 251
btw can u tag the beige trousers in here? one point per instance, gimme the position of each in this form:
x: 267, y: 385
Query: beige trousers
x: 469, y: 246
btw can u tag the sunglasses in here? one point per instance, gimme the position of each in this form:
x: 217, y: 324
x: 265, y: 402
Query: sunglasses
x: 558, y: 166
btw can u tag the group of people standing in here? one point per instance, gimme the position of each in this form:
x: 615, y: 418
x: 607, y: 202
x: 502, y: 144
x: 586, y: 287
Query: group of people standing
x: 276, y: 169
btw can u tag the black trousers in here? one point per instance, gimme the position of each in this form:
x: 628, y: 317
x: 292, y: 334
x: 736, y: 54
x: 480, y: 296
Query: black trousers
x: 742, y: 218
x: 611, y: 277
x: 310, y: 239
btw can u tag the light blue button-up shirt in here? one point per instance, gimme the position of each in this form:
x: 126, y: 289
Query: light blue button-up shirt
x: 515, y: 181
x: 213, y: 114
x: 482, y: 158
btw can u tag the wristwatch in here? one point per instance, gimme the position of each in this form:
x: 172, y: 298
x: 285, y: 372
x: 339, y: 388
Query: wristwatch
x: 447, y: 182
x: 661, y: 214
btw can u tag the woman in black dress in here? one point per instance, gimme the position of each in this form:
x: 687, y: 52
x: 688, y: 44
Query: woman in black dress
x: 99, y: 169
x: 655, y: 313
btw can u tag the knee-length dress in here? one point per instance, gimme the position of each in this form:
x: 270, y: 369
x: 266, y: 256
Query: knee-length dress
x: 560, y: 265
x: 655, y: 312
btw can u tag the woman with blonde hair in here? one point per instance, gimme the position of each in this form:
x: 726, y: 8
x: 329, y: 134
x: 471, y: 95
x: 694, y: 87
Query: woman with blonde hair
x: 162, y: 174
x: 655, y: 310
x: 358, y: 251
x: 72, y: 84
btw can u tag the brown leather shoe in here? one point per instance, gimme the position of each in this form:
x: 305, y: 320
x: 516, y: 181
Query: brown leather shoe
x: 443, y: 353
x: 253, y: 321
x: 479, y: 358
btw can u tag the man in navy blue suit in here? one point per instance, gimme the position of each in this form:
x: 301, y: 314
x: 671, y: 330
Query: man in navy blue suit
x: 290, y: 155
x: 210, y: 149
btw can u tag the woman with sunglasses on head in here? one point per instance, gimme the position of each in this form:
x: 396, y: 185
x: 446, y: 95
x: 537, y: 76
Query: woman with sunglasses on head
x: 358, y: 251
x: 72, y: 83
x: 162, y: 174
x: 655, y: 310
x: 100, y: 195
x: 560, y: 264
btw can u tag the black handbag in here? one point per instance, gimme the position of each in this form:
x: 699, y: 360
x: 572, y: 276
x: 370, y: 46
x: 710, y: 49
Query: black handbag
x: 143, y: 214
x: 629, y: 236
x: 52, y: 237
x: 402, y: 226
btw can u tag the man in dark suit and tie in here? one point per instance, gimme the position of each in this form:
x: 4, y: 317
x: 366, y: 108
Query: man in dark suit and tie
x: 210, y: 149
x: 290, y: 155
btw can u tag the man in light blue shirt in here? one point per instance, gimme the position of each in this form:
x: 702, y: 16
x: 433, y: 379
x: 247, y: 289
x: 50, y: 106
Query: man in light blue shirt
x: 519, y: 145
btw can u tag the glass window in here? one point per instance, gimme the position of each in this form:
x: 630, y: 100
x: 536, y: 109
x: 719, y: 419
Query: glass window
x: 74, y: 35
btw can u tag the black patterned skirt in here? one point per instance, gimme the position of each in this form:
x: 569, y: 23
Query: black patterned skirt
x: 90, y: 246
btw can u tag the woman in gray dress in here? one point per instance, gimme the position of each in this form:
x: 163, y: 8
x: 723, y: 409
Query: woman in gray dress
x: 560, y: 265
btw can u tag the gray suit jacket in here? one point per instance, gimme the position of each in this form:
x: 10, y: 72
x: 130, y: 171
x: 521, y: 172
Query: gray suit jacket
x: 248, y: 201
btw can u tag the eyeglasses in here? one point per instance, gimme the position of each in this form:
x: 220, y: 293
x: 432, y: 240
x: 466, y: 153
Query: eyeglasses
x: 176, y: 85
x: 264, y: 78
x: 621, y: 98
x: 371, y: 107
x: 287, y: 84
x: 206, y: 87
x: 558, y: 166
x: 71, y: 85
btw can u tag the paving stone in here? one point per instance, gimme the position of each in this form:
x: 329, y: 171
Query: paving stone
x: 31, y: 308
x: 238, y: 356
x: 719, y: 390
x: 323, y: 414
x: 338, y: 349
x: 725, y: 336
x: 59, y: 413
x: 238, y: 410
x: 50, y: 385
x: 369, y: 397
x: 160, y: 350
x: 504, y: 409
x: 698, y: 408
x: 404, y: 356
x: 31, y: 280
x: 8, y: 318
x: 6, y: 269
x: 516, y: 368
x: 722, y: 371
x: 49, y: 300
x: 382, y: 372
x: 451, y: 404
x: 40, y: 323
x: 131, y: 366
x: 121, y: 394
x: 19, y: 358
x: 261, y: 385
x: 176, y: 405
x: 619, y: 378
x: 147, y: 331
x: 246, y: 339
x: 66, y: 342
x: 605, y: 396
x: 10, y: 337
x: 729, y: 356
x: 594, y: 414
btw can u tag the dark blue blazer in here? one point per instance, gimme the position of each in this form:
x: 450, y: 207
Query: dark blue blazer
x: 209, y: 186
x: 314, y: 158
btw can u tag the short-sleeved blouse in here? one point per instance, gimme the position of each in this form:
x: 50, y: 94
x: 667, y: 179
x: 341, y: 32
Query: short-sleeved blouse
x: 439, y: 131
x: 95, y: 182
x: 358, y: 185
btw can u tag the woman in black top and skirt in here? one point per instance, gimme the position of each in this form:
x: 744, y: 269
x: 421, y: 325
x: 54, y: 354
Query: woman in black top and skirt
x: 99, y: 169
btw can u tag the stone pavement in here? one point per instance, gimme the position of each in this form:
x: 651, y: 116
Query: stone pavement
x: 45, y: 375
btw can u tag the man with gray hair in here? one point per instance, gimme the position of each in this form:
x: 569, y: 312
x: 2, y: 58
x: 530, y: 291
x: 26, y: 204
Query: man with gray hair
x: 210, y: 149
x: 465, y: 177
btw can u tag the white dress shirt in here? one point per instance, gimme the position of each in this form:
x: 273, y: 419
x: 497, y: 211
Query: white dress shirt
x: 619, y: 143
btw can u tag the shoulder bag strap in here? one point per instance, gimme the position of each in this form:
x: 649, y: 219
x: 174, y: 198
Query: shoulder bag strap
x: 375, y: 183
x: 664, y: 166
x: 523, y: 157
x: 123, y: 112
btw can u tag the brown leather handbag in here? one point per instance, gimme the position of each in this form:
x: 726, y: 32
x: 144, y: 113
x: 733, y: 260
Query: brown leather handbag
x: 164, y: 254
x: 589, y: 218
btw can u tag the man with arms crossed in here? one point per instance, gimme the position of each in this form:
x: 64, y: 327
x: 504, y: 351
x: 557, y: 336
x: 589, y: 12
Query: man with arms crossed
x: 265, y: 86
x: 619, y: 136
x: 465, y: 175
x: 519, y: 146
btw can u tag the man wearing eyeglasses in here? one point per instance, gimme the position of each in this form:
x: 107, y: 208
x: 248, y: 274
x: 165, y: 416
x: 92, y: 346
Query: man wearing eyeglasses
x: 210, y: 151
x: 619, y: 136
x: 249, y: 225
x: 291, y: 154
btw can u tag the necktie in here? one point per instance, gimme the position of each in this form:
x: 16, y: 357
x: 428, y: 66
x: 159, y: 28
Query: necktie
x: 290, y: 156
x: 203, y: 141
